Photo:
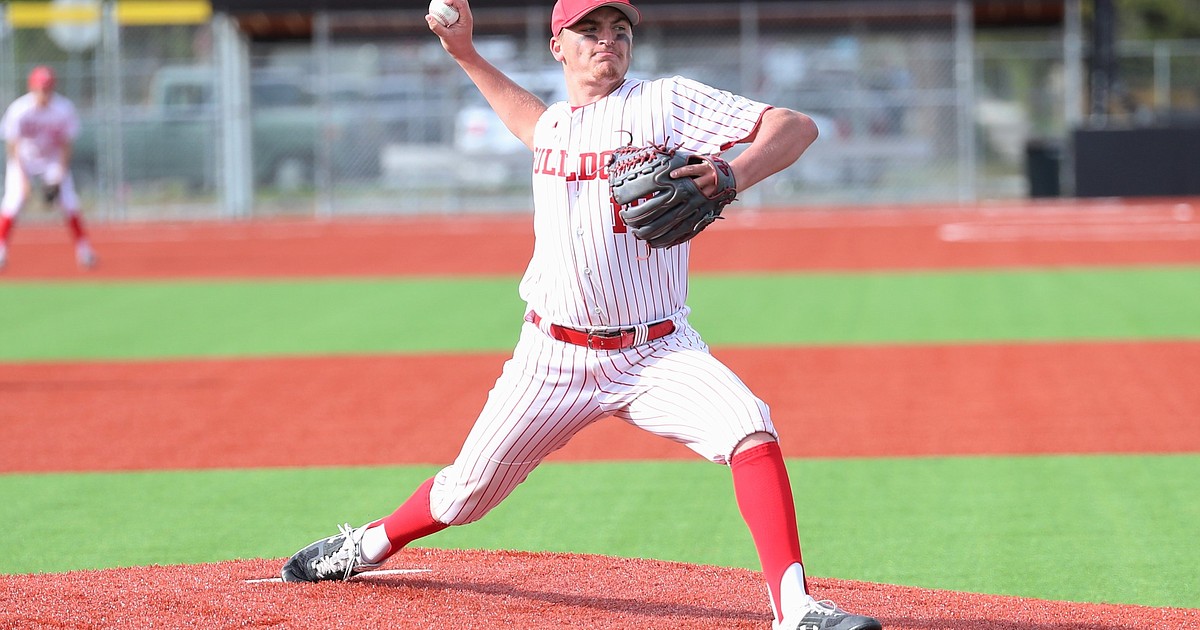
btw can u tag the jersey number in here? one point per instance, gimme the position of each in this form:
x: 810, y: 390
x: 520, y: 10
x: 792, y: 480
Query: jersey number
x: 618, y: 223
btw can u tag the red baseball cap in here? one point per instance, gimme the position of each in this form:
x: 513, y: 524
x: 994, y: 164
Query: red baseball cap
x: 568, y: 12
x: 40, y: 78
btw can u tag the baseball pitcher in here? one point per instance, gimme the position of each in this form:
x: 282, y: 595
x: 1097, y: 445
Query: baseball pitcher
x: 626, y: 174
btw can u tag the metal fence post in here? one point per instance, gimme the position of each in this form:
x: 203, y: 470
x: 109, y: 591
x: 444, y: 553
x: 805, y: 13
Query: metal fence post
x: 964, y: 78
x: 1104, y: 61
x: 110, y: 164
x: 233, y: 85
x: 1162, y: 77
x: 1073, y: 72
x: 323, y: 154
x: 8, y: 59
x: 749, y: 62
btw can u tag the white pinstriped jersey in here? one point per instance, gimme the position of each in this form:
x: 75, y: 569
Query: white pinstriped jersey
x: 43, y: 132
x: 587, y: 270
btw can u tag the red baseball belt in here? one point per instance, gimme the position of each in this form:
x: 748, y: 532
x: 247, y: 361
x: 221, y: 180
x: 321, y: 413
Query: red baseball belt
x: 617, y: 339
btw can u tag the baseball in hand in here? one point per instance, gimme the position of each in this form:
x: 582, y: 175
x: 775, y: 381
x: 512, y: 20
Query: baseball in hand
x: 442, y: 12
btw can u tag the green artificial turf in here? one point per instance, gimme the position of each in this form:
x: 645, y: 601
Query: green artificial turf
x: 1087, y: 528
x: 1079, y: 528
x: 243, y: 318
x: 131, y: 320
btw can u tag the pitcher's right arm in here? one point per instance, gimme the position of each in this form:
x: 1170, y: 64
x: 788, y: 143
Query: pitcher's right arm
x: 518, y: 108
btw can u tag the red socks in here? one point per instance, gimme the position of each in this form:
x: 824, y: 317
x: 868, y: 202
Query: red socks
x: 412, y: 520
x: 760, y: 484
x: 764, y: 496
x: 75, y: 224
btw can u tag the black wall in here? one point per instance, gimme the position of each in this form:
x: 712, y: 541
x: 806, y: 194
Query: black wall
x: 1159, y: 161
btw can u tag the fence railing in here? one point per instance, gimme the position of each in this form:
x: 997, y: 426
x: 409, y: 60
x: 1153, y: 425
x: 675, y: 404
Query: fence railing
x: 184, y: 117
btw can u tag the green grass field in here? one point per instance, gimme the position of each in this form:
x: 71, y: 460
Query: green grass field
x: 145, y: 320
x: 1088, y: 528
x: 1083, y: 528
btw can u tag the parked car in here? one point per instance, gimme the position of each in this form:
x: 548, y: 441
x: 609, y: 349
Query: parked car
x: 492, y: 154
x: 175, y: 134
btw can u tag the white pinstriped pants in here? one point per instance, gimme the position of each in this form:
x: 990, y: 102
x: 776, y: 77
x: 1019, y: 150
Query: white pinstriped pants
x: 550, y: 390
x: 17, y: 189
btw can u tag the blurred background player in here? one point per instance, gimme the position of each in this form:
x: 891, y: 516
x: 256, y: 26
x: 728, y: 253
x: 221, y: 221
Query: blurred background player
x: 39, y: 129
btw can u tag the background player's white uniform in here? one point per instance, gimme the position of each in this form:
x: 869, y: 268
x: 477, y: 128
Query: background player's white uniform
x: 41, y: 135
x: 39, y: 129
x: 588, y: 272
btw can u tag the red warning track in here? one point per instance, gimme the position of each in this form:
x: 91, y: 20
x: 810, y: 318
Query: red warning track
x: 996, y: 235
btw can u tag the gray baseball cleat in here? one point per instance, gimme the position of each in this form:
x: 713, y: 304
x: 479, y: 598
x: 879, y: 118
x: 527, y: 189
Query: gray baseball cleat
x: 825, y: 615
x: 85, y: 256
x: 334, y: 558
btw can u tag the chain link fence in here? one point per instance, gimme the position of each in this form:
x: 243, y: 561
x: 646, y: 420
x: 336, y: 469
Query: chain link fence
x: 368, y: 115
x: 884, y: 96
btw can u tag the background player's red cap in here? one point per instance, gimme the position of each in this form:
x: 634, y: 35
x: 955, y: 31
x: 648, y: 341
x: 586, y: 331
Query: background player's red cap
x: 568, y: 12
x: 40, y: 78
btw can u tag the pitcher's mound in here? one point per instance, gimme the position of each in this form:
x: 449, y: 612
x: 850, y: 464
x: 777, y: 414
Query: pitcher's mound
x: 431, y: 588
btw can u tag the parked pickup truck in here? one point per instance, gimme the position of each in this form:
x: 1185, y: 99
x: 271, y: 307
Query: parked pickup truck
x: 175, y: 135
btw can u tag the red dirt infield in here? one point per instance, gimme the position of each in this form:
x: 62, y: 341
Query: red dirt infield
x: 1113, y: 397
x: 853, y: 402
x: 499, y: 589
x: 1059, y: 233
